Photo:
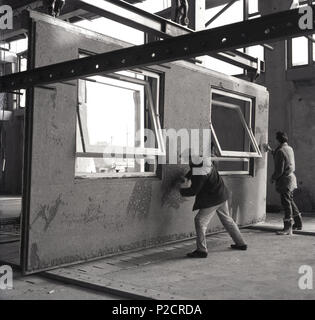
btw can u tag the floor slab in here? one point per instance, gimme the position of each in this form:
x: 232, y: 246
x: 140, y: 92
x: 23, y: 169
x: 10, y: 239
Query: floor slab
x: 39, y: 288
x: 274, y: 222
x: 267, y: 270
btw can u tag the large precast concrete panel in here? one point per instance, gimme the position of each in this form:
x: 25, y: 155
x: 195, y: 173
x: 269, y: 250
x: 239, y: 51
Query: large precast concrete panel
x: 71, y: 219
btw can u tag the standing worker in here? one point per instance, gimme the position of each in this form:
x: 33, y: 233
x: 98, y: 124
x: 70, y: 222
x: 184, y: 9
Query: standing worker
x: 211, y: 197
x: 285, y: 179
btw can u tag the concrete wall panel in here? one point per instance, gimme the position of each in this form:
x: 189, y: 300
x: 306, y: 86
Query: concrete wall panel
x: 78, y: 219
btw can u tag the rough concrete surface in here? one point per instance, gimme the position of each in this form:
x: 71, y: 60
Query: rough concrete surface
x: 38, y: 288
x: 92, y: 218
x: 267, y: 270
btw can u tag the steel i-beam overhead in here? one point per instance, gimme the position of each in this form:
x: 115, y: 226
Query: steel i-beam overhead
x: 273, y: 27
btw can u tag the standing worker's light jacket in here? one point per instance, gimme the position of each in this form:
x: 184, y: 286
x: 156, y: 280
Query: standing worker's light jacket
x: 284, y: 168
x: 206, y: 185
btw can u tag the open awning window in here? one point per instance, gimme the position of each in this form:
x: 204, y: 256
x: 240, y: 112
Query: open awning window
x: 232, y: 119
x: 118, y: 122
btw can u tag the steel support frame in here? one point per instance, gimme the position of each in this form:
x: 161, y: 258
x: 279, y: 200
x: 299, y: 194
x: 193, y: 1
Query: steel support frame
x: 155, y: 25
x: 134, y: 17
x: 274, y: 27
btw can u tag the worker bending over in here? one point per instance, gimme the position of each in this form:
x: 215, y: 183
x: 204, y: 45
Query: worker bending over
x: 211, y: 197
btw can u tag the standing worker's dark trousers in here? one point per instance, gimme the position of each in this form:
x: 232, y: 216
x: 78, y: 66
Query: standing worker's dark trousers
x: 291, y: 211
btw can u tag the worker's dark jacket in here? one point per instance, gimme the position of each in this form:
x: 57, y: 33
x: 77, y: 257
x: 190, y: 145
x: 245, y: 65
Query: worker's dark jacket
x: 209, y: 189
x: 284, y: 168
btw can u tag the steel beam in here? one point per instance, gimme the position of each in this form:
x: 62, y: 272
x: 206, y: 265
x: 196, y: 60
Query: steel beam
x: 240, y: 59
x: 273, y: 27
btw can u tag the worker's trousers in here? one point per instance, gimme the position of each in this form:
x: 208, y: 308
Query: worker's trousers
x: 291, y: 210
x: 203, y: 219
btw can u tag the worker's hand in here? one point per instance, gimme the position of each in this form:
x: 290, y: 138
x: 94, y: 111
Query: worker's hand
x: 267, y: 147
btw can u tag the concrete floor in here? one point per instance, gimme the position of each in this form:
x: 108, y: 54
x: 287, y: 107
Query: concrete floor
x: 39, y: 288
x: 274, y: 220
x: 267, y: 270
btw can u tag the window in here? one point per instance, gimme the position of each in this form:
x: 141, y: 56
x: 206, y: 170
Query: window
x: 22, y: 66
x: 19, y: 99
x: 253, y: 7
x: 301, y: 50
x: 118, y: 127
x: 232, y: 119
x: 19, y: 48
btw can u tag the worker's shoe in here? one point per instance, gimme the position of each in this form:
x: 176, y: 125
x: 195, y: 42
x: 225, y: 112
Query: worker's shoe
x: 287, y: 229
x: 297, y: 222
x: 197, y: 254
x: 239, y: 246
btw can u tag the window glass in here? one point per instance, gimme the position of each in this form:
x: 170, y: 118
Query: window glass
x: 229, y: 129
x: 299, y: 51
x: 233, y: 166
x: 109, y: 100
x: 114, y: 115
x: 19, y: 46
x: 252, y: 6
x: 231, y: 125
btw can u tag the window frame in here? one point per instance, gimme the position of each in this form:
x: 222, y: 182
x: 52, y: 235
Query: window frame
x: 142, y: 153
x: 234, y: 172
x: 22, y: 92
x: 230, y: 156
x: 311, y: 46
